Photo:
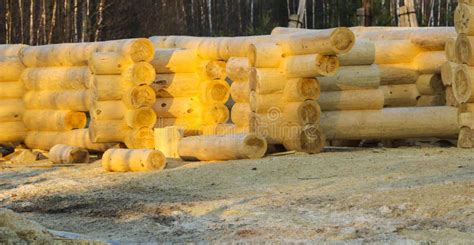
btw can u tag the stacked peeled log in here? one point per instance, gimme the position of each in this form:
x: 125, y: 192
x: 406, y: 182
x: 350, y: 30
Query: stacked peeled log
x: 238, y: 69
x: 284, y: 88
x: 461, y: 71
x: 190, y: 90
x: 122, y: 98
x: 12, y: 90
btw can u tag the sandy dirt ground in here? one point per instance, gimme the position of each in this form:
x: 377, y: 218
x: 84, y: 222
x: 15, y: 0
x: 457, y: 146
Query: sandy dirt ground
x: 359, y: 195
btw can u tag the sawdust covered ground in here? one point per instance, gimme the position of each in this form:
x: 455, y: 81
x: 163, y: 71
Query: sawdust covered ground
x: 365, y: 195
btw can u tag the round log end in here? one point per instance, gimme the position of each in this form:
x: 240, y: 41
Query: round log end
x: 142, y: 50
x: 216, y: 91
x: 139, y: 96
x: 309, y: 88
x: 142, y: 73
x: 343, y: 40
x: 463, y: 49
x: 327, y: 65
x: 462, y: 85
x: 216, y: 114
x: 309, y: 112
x: 65, y: 154
x: 156, y: 161
x: 141, y: 117
x: 255, y: 146
x: 215, y: 69
x: 462, y: 17
x: 141, y: 138
x: 308, y: 139
x: 76, y: 120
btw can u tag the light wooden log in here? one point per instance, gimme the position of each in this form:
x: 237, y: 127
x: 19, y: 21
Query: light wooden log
x: 139, y: 96
x: 430, y: 62
x: 211, y: 69
x: 398, y: 74
x: 463, y: 19
x: 391, y: 123
x: 54, y: 120
x: 191, y: 126
x: 301, y: 89
x: 78, y: 137
x: 140, y: 117
x: 108, y: 131
x: 238, y: 69
x: 293, y: 113
x: 363, y: 53
x: 175, y: 60
x: 65, y: 154
x: 433, y: 38
x: 109, y: 87
x: 107, y: 110
x: 450, y: 99
x: 450, y: 50
x: 395, y: 51
x: 11, y: 90
x: 12, y: 132
x: 224, y: 129
x: 10, y: 49
x: 310, y: 65
x: 465, y: 138
x: 240, y: 114
x: 109, y: 63
x: 56, y: 78
x: 11, y: 68
x: 448, y: 71
x: 125, y: 160
x: 466, y: 107
x: 139, y: 49
x: 463, y: 84
x: 431, y: 100
x: 368, y: 99
x: 214, y: 91
x: 325, y: 42
x: 215, y: 113
x: 267, y: 80
x: 222, y: 147
x: 265, y: 55
x: 465, y: 119
x: 352, y: 78
x: 167, y: 140
x: 65, y: 54
x: 209, y: 48
x: 11, y: 110
x: 404, y: 95
x: 430, y: 84
x: 465, y: 49
x: 176, y: 85
x: 178, y: 107
x: 140, y: 138
x: 74, y: 100
x: 309, y: 139
x: 240, y: 92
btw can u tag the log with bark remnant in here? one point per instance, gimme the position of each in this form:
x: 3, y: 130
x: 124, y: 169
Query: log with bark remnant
x: 65, y: 154
x: 126, y: 160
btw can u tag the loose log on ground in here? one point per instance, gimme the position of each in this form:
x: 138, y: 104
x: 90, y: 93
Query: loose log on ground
x: 398, y: 74
x: 352, y: 78
x: 11, y: 110
x: 65, y: 154
x: 222, y: 147
x: 54, y: 120
x: 12, y: 132
x: 363, y: 53
x: 11, y: 69
x: 74, y: 100
x: 369, y: 99
x: 391, y: 123
x: 405, y: 95
x: 463, y: 84
x: 78, y: 137
x: 56, y: 78
x: 125, y: 160
x: 430, y: 84
x: 310, y: 65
